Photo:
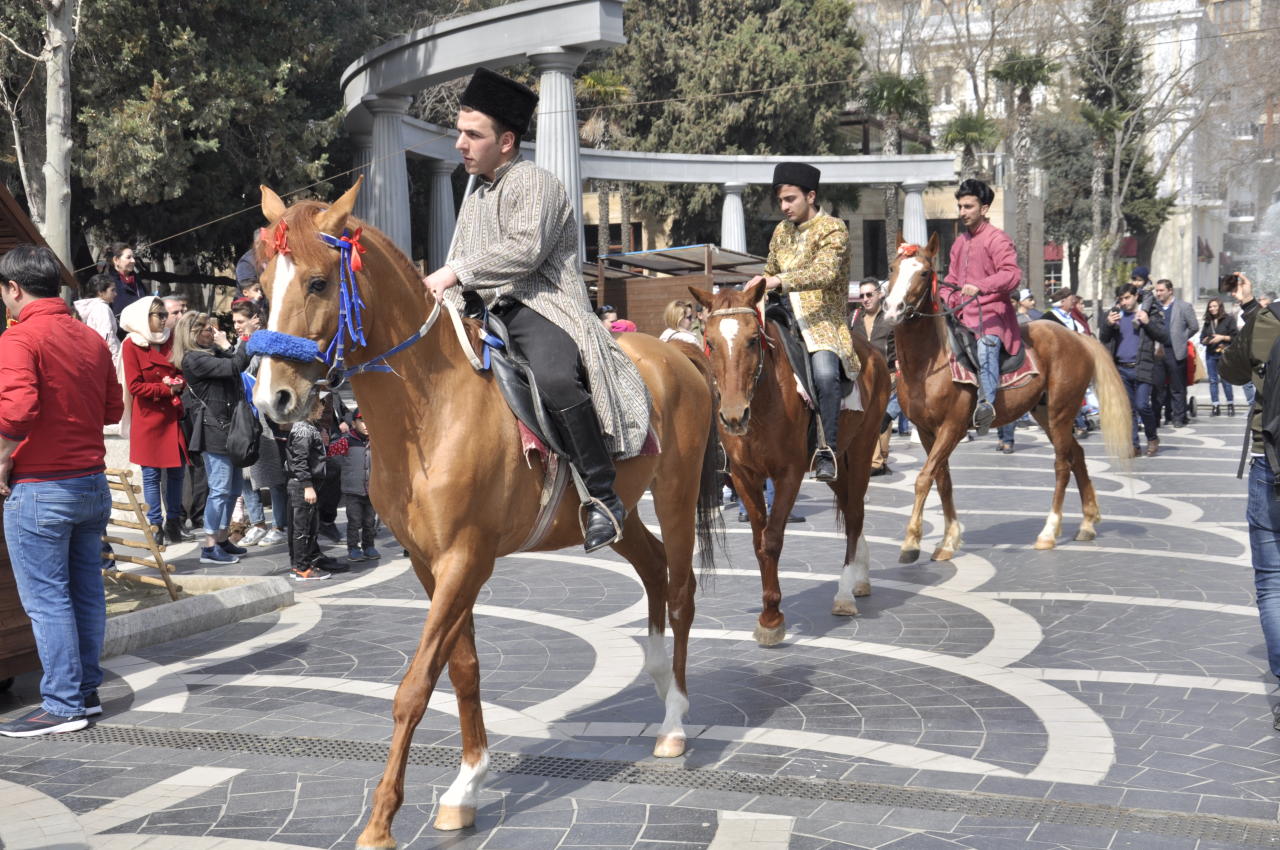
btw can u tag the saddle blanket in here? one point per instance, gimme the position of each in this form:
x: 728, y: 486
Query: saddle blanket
x: 530, y: 442
x: 962, y: 374
x: 852, y: 401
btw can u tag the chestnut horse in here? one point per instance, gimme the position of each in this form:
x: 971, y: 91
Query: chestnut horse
x: 449, y: 477
x: 764, y: 427
x: 943, y: 409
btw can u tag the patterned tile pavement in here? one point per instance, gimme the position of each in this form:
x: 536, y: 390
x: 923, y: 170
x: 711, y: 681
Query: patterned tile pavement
x: 1102, y: 695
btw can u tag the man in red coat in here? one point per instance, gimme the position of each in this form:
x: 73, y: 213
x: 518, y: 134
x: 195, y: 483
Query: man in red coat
x: 58, y: 389
x: 983, y: 273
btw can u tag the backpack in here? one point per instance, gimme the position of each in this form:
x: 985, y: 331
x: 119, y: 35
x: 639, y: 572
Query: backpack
x: 1268, y: 401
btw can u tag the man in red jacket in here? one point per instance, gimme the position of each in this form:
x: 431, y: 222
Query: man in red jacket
x: 983, y: 273
x: 58, y: 389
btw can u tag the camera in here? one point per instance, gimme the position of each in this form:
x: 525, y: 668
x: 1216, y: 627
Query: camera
x: 1228, y: 282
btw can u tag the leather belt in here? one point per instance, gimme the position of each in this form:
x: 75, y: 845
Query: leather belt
x: 1129, y: 365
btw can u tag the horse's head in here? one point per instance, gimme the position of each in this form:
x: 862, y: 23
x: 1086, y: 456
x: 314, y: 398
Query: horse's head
x: 912, y: 280
x: 735, y: 343
x: 302, y: 282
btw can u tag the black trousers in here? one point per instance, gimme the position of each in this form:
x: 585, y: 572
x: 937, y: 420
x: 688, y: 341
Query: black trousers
x: 360, y: 521
x: 1171, y: 385
x: 329, y: 493
x: 195, y: 492
x: 304, y: 527
x: 552, y: 354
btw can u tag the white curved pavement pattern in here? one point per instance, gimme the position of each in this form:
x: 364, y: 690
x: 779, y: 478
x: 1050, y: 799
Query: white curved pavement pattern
x: 1118, y: 675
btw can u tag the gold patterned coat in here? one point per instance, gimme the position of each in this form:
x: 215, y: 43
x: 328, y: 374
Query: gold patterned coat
x: 812, y: 261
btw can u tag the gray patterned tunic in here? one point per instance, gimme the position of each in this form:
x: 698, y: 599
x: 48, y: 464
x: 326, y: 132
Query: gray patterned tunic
x: 517, y: 238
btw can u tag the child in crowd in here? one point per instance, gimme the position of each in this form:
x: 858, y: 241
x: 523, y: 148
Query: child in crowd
x: 352, y: 454
x: 305, y: 466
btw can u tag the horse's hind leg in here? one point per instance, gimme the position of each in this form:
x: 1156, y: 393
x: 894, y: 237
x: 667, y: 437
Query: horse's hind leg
x: 1060, y: 428
x: 855, y: 575
x: 457, y: 808
x: 458, y: 581
x: 1088, y: 496
x: 648, y: 555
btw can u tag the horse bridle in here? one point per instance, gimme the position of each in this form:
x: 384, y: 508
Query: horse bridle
x: 733, y: 311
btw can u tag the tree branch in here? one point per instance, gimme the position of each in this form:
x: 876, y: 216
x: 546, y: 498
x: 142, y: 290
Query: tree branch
x: 44, y: 54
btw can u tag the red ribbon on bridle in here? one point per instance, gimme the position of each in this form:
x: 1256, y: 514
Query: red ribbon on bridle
x: 357, y: 249
x: 279, y: 240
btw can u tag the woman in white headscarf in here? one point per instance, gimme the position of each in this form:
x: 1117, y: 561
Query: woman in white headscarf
x: 153, y: 396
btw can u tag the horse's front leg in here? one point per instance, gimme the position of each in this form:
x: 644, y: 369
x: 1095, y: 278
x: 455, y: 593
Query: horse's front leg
x: 952, y: 529
x: 457, y: 808
x: 939, y: 445
x: 771, y: 628
x: 459, y: 575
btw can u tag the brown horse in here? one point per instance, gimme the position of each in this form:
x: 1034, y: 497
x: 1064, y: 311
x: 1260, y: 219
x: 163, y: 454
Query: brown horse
x: 943, y: 409
x: 450, y: 481
x: 764, y: 426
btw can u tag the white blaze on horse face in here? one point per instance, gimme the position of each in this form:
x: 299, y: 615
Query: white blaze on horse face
x: 729, y: 329
x: 908, y: 268
x: 262, y: 391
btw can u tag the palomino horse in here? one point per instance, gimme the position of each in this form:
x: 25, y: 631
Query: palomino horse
x: 764, y: 427
x: 449, y: 478
x: 942, y: 409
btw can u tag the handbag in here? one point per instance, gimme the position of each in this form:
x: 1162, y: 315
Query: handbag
x: 244, y: 431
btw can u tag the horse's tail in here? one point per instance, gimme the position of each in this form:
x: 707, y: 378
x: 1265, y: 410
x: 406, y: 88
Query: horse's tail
x: 709, y: 525
x: 1113, y: 401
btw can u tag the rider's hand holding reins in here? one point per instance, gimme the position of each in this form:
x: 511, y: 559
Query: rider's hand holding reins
x: 439, y: 281
x: 969, y: 290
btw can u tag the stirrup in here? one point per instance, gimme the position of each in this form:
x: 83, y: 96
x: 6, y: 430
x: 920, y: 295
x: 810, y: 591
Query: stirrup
x: 813, y: 461
x: 582, y: 525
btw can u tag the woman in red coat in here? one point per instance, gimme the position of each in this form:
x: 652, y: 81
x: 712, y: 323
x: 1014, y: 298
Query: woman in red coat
x: 155, y: 435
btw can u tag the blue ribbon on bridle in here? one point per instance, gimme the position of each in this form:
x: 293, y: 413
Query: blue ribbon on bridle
x: 350, y: 326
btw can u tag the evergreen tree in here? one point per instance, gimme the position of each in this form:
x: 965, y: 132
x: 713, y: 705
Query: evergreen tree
x: 681, y: 54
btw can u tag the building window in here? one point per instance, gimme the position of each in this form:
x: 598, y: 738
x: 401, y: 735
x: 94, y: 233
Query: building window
x: 942, y: 78
x: 1231, y: 15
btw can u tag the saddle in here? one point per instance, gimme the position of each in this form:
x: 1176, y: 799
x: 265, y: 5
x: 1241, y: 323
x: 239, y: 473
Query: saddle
x: 964, y: 344
x: 514, y: 377
x: 797, y: 352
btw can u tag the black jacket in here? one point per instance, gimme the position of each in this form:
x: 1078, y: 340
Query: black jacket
x: 1151, y: 333
x: 304, y: 458
x: 881, y: 339
x: 1226, y: 325
x: 1248, y: 350
x: 213, y: 389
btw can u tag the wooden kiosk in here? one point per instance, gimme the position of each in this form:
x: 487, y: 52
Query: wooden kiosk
x: 665, y: 275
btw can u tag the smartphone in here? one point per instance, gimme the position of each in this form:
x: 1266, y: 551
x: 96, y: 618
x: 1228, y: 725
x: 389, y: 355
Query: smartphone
x: 1228, y: 282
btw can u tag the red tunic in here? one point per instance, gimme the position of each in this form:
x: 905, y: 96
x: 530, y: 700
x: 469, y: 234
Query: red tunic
x: 988, y: 260
x: 155, y: 437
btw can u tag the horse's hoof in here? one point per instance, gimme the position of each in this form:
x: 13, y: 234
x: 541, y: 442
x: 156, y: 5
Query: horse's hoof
x: 862, y: 588
x: 771, y: 637
x: 1045, y: 543
x: 941, y: 554
x: 908, y: 556
x: 669, y: 746
x: 844, y: 608
x: 455, y: 817
x: 363, y: 843
x: 1086, y: 534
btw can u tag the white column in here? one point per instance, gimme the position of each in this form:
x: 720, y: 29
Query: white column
x: 443, y: 218
x: 557, y: 143
x: 388, y: 203
x: 733, y: 223
x: 361, y: 156
x: 914, y: 228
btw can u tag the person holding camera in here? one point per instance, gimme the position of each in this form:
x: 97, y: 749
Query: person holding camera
x: 1216, y: 333
x: 1132, y: 334
x: 1243, y: 363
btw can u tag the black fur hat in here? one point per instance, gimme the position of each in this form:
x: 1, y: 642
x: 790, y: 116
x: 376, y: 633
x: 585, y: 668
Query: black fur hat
x: 500, y: 98
x: 796, y: 174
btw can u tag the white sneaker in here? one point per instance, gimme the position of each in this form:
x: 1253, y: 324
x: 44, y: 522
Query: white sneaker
x: 253, y: 536
x: 273, y: 537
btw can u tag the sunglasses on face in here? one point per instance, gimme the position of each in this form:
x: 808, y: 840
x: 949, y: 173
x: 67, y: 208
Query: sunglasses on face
x: 162, y: 314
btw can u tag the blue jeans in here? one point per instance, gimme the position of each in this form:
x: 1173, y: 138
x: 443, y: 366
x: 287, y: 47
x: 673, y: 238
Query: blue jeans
x: 825, y: 366
x: 894, y: 412
x: 280, y: 506
x: 1140, y: 401
x: 252, y: 502
x: 1263, y: 514
x: 989, y: 366
x: 1006, y: 432
x: 1211, y: 367
x: 151, y: 476
x: 54, y: 533
x: 224, y: 488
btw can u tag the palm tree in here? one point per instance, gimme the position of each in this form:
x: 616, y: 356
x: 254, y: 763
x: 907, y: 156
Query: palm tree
x: 603, y: 89
x: 895, y: 98
x: 1024, y: 73
x: 971, y: 132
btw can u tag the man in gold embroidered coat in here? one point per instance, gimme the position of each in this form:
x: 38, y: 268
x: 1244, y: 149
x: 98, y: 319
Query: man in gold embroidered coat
x: 809, y: 263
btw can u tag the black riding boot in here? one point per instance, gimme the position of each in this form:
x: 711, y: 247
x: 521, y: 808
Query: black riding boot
x: 580, y: 429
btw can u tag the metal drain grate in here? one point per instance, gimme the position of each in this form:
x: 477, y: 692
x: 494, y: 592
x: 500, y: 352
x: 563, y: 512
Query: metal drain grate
x: 1207, y: 827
